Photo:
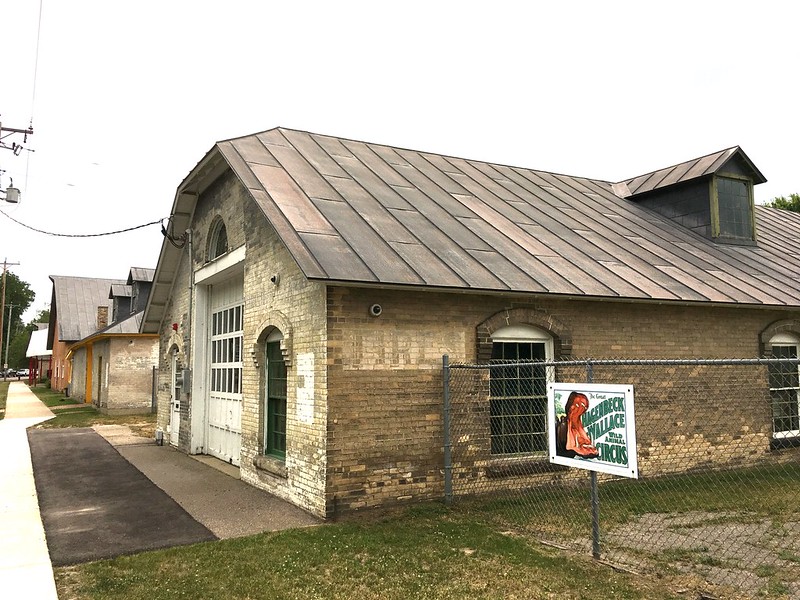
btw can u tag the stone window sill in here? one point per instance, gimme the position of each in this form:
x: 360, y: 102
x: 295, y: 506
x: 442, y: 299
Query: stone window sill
x: 271, y: 465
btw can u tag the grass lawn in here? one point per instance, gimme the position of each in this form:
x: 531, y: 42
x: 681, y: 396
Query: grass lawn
x: 70, y: 414
x: 429, y: 552
x: 52, y: 398
x: 484, y: 548
x: 715, y: 492
x: 479, y: 548
x: 3, y: 396
x: 82, y: 415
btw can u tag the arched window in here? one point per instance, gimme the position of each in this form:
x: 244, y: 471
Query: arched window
x: 217, y: 240
x: 518, y: 389
x: 784, y: 385
x: 274, y: 397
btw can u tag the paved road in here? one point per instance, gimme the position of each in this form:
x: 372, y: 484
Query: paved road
x: 95, y: 504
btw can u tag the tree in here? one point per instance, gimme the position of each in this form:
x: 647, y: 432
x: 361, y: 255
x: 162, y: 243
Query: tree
x: 43, y: 316
x: 17, y: 350
x: 19, y: 297
x: 18, y: 347
x: 791, y: 203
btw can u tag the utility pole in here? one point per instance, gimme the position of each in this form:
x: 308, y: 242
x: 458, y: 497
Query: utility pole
x: 12, y: 194
x: 8, y: 336
x: 6, y: 264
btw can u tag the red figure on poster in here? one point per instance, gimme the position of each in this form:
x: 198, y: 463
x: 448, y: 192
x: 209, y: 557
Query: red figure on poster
x: 577, y: 439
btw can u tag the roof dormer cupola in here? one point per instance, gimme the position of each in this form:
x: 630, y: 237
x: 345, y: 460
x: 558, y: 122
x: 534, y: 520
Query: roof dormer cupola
x: 711, y: 195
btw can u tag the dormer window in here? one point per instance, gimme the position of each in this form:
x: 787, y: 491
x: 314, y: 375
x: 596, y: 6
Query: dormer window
x: 711, y: 195
x: 218, y: 240
x: 733, y: 198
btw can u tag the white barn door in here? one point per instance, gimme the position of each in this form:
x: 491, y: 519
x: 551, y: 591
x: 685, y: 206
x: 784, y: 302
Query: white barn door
x: 224, y: 414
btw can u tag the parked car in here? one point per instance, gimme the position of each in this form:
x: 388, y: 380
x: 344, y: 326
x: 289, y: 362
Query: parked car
x: 23, y: 372
x: 8, y: 373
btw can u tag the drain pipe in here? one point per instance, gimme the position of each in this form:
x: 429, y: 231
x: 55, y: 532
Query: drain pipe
x: 191, y: 298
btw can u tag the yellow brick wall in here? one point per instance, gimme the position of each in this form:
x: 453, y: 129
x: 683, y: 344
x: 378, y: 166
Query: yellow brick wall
x: 385, y: 386
x: 297, y: 308
x: 294, y: 305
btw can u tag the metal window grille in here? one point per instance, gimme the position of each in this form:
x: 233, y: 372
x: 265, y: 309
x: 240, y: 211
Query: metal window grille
x: 276, y: 401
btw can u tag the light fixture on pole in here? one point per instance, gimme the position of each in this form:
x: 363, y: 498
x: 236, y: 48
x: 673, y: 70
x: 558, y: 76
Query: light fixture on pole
x: 12, y: 194
x: 8, y: 336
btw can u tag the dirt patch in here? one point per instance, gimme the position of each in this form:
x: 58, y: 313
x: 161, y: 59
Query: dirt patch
x: 147, y: 430
x: 711, y: 546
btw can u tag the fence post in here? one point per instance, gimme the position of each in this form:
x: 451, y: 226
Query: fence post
x: 448, y: 459
x: 595, y: 491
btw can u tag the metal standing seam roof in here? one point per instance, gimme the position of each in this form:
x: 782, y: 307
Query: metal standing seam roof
x: 77, y: 300
x: 369, y: 214
x: 140, y: 274
x: 685, y: 171
x: 126, y: 291
x: 128, y: 326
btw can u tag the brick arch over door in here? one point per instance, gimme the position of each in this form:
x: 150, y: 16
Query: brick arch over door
x: 775, y: 328
x: 562, y: 337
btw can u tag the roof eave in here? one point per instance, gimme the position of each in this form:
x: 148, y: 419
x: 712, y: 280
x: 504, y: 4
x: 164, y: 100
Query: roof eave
x: 758, y: 176
x: 552, y: 295
x: 204, y: 174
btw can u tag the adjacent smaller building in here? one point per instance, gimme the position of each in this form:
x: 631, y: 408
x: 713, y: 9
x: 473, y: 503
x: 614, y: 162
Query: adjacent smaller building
x: 111, y: 364
x: 79, y: 306
x: 113, y: 368
x: 39, y: 357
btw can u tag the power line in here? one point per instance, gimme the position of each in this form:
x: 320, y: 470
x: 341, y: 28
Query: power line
x: 33, y: 93
x: 36, y: 60
x: 80, y: 235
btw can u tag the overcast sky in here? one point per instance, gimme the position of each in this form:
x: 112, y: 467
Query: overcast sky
x: 127, y: 100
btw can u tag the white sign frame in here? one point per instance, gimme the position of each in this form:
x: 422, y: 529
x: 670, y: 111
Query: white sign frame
x: 612, y: 423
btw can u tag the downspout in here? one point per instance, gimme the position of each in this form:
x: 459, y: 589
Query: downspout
x: 88, y: 382
x: 191, y: 299
x: 187, y: 390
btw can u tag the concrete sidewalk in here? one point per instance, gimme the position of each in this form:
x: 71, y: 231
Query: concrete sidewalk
x: 210, y: 490
x: 25, y: 568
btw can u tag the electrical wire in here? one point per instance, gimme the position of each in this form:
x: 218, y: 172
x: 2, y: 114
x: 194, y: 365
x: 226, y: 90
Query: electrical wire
x: 36, y: 60
x: 177, y: 241
x: 81, y: 235
x: 33, y: 93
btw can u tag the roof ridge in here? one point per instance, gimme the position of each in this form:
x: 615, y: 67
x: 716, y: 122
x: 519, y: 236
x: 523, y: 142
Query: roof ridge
x: 683, y: 162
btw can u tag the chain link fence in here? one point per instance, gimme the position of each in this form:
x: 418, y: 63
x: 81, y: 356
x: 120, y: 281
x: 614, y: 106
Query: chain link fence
x: 717, y: 497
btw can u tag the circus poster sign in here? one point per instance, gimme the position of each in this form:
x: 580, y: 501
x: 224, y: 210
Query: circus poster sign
x: 592, y: 426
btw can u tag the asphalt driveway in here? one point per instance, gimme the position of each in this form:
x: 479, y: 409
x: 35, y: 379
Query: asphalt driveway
x: 104, y: 492
x: 95, y: 504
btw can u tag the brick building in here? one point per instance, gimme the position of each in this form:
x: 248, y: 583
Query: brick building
x: 112, y: 367
x: 308, y: 287
x: 79, y: 306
